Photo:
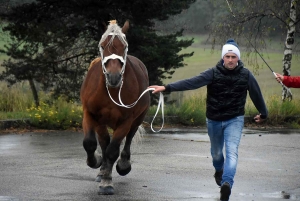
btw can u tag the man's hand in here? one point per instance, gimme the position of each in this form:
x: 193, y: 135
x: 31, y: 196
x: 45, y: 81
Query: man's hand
x: 279, y: 77
x: 157, y: 88
x: 257, y: 119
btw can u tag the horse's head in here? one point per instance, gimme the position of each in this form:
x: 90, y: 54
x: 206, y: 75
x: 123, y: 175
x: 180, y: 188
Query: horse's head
x: 113, y: 48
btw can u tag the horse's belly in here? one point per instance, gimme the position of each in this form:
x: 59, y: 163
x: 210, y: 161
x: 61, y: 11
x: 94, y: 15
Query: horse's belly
x: 111, y: 117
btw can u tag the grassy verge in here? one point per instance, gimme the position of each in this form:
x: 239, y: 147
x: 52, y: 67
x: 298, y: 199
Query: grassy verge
x: 16, y: 103
x: 191, y: 112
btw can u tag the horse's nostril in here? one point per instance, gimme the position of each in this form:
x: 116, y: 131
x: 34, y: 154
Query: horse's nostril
x: 114, y: 79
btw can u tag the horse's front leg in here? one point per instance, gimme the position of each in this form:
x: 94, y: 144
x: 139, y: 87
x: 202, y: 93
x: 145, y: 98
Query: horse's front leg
x: 112, y: 153
x: 94, y: 160
x: 104, y: 140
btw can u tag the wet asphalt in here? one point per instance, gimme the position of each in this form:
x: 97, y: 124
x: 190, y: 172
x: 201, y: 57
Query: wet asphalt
x: 174, y: 164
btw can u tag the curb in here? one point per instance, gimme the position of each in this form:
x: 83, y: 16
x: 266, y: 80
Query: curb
x: 175, y: 119
x: 13, y: 123
x: 22, y: 123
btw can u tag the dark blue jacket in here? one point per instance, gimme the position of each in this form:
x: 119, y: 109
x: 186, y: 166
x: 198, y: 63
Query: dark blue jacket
x: 207, y: 77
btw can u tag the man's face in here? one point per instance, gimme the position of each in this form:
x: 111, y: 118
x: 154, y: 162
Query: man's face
x: 230, y: 61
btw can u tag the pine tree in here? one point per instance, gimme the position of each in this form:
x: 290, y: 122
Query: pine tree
x: 53, y: 42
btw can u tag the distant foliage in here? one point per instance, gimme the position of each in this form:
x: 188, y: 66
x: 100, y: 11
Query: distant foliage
x: 53, y: 42
x: 254, y: 23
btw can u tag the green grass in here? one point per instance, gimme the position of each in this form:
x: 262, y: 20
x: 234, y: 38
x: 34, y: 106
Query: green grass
x: 204, y: 58
x: 16, y: 98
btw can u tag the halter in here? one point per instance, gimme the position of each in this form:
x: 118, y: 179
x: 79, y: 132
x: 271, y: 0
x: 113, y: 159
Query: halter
x: 113, y: 56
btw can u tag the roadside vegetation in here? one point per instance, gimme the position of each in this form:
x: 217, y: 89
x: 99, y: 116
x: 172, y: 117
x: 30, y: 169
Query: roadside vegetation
x: 16, y: 102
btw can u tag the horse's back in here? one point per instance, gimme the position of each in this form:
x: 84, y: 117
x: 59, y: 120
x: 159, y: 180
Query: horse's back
x: 140, y: 65
x: 91, y: 80
x: 140, y: 71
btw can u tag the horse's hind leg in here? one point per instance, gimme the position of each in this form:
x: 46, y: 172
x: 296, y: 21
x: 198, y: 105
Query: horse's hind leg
x: 123, y: 166
x: 94, y: 160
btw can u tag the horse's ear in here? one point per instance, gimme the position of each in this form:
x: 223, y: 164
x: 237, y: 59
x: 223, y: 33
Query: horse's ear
x: 125, y: 27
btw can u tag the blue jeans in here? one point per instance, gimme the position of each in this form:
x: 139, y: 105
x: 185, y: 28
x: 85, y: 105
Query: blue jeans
x: 227, y: 132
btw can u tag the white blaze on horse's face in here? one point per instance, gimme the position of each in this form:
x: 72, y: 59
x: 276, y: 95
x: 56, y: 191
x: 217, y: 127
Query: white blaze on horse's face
x: 113, y: 50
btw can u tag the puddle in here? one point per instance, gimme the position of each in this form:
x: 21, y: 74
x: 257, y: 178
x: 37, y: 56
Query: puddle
x: 8, y: 198
x: 191, y: 155
x: 8, y: 146
x: 281, y: 195
x: 190, y: 136
x: 274, y: 195
x: 248, y: 131
x: 206, y: 196
x: 180, y: 131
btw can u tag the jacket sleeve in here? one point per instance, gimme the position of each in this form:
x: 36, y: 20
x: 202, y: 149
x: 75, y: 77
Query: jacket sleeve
x: 256, y: 96
x: 292, y: 81
x: 195, y: 82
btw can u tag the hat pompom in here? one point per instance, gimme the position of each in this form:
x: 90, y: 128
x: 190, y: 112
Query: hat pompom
x: 232, y: 42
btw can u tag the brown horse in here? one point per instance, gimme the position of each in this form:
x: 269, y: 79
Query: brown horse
x: 112, y: 83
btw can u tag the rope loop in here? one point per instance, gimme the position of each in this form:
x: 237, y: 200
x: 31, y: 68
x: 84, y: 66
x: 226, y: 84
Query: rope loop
x: 160, y: 104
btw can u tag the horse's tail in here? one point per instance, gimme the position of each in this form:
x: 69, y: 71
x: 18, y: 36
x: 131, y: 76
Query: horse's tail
x: 139, y: 135
x: 137, y: 139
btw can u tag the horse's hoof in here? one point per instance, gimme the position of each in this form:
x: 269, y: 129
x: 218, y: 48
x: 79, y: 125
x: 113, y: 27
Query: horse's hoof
x: 107, y: 190
x: 98, y: 178
x: 96, y: 162
x: 125, y: 168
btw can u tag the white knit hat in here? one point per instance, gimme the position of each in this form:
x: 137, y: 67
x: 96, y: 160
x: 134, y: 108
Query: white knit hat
x: 232, y: 47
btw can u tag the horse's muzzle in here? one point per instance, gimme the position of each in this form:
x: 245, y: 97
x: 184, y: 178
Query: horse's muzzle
x: 113, y: 79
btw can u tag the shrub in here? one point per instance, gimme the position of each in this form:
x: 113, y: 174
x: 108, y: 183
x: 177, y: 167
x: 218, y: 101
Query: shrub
x: 59, y: 114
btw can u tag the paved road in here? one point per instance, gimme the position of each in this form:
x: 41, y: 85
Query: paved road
x: 173, y: 165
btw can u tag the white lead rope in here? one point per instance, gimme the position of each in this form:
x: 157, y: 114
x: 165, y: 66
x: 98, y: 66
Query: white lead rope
x: 160, y: 104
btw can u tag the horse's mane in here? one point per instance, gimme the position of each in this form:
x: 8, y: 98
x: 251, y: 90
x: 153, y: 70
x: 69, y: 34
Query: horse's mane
x: 114, y: 30
x: 94, y: 62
